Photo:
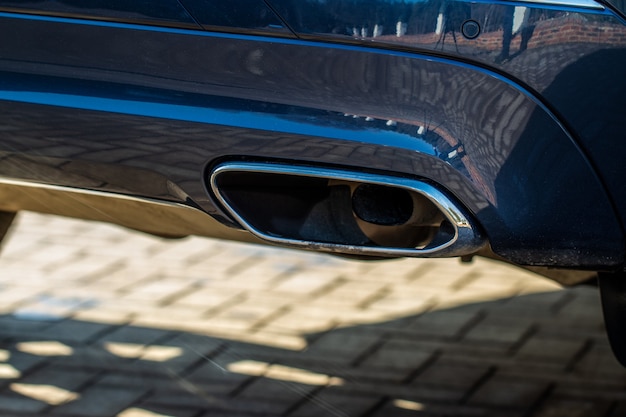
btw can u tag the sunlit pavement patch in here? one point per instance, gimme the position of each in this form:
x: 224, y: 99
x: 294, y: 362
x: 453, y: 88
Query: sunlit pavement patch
x: 116, y: 323
x: 50, y: 308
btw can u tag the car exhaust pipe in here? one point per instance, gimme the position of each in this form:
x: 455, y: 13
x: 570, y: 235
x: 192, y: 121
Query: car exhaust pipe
x: 343, y: 211
x: 392, y: 216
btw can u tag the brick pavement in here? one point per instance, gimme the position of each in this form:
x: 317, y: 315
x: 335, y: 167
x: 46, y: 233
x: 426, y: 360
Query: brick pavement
x: 98, y: 321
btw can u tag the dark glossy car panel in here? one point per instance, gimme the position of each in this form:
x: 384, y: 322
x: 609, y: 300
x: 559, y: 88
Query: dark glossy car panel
x: 162, y: 12
x: 509, y: 114
x: 289, y: 101
x: 247, y: 16
x: 546, y: 47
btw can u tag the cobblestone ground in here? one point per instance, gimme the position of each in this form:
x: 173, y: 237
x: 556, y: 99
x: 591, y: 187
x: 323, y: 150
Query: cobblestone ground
x: 99, y: 321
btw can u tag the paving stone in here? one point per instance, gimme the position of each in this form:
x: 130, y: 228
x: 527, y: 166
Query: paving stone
x: 440, y: 323
x: 498, y: 332
x: 476, y: 300
x: 158, y: 411
x: 16, y: 403
x: 171, y: 318
x: 570, y: 407
x: 263, y: 273
x: 351, y: 293
x: 104, y: 314
x: 23, y: 244
x: 54, y: 255
x: 300, y: 323
x: 390, y: 271
x: 157, y: 291
x: 31, y: 278
x: 190, y: 350
x: 330, y: 403
x: 177, y: 397
x: 126, y: 276
x: 559, y: 328
x: 550, y: 349
x: 249, y: 314
x: 427, y: 394
x: 599, y: 362
x: 87, y: 357
x: 534, y: 369
x: 84, y: 268
x: 73, y: 331
x: 287, y: 393
x: 449, y: 374
x: 21, y: 325
x: 47, y: 307
x: 506, y: 392
x: 307, y: 283
x: 406, y: 408
x: 403, y: 303
x: 58, y: 376
x: 16, y: 364
x: 101, y: 401
x: 346, y: 345
x: 159, y: 382
x: 272, y: 340
x: 228, y: 406
x: 321, y: 364
x: 583, y: 305
x: 224, y: 380
x: 403, y: 359
x: 486, y: 280
x: 9, y: 296
x: 209, y: 298
x: 605, y: 392
x: 536, y: 305
x: 130, y: 334
x: 434, y: 273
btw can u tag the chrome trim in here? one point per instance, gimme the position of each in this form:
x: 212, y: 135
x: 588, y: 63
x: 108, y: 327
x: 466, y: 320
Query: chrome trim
x: 466, y: 239
x: 584, y: 4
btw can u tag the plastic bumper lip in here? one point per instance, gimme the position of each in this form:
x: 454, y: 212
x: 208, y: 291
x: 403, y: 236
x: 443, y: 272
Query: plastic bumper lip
x: 464, y: 240
x: 148, y: 215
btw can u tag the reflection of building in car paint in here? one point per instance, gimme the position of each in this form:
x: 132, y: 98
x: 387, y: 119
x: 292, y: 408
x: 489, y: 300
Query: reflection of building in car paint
x: 400, y: 28
x: 444, y: 146
x: 378, y: 31
x: 505, y: 31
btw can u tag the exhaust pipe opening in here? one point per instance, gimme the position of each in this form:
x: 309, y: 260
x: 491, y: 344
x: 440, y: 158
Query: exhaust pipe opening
x: 343, y: 211
x: 382, y: 205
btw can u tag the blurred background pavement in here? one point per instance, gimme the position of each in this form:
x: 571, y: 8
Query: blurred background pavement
x: 100, y: 321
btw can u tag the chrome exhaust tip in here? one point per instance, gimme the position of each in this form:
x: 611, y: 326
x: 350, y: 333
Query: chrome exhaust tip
x: 344, y: 211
